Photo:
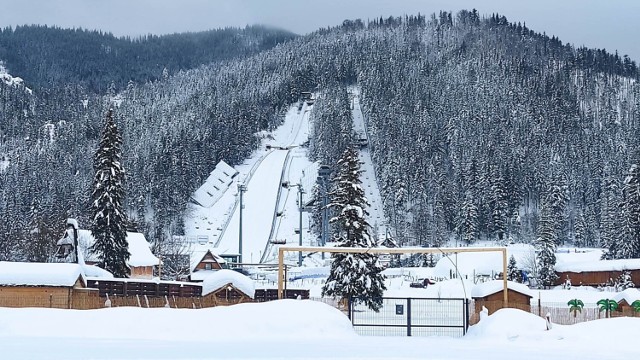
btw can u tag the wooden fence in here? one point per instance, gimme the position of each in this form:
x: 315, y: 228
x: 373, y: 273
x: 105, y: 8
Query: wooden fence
x: 558, y: 312
x: 85, y: 299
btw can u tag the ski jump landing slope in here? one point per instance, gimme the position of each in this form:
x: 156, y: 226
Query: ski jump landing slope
x: 216, y: 228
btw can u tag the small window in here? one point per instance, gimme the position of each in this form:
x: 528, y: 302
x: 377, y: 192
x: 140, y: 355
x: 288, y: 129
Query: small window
x: 207, y: 266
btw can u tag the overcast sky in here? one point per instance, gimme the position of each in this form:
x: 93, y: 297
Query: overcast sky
x: 610, y: 24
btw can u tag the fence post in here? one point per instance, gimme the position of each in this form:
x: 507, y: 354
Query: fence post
x: 539, y: 306
x: 350, y: 310
x: 466, y: 316
x: 408, y: 316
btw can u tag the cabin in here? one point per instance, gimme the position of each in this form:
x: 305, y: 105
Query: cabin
x: 490, y: 295
x: 625, y: 300
x: 227, y: 287
x: 596, y: 273
x: 215, y: 186
x: 204, y: 264
x: 51, y: 285
x: 141, y: 262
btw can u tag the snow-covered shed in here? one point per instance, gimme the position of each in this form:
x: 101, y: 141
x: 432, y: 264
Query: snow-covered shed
x: 225, y: 287
x: 594, y: 273
x: 141, y: 260
x: 53, y: 285
x: 625, y: 300
x: 216, y: 184
x: 490, y: 295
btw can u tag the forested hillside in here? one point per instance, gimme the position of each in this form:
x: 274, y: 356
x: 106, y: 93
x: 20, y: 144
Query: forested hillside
x: 478, y: 127
x: 52, y: 57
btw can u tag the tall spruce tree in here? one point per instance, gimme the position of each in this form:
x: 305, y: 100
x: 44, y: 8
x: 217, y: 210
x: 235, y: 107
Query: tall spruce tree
x: 107, y: 202
x: 546, y: 243
x: 357, y: 276
x: 513, y: 274
x: 630, y: 248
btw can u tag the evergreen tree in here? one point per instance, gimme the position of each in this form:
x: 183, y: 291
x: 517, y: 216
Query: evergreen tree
x: 630, y: 248
x: 609, y: 218
x: 513, y: 274
x: 356, y: 276
x: 546, y: 244
x: 580, y: 237
x: 109, y: 220
x: 467, y: 226
x: 624, y: 281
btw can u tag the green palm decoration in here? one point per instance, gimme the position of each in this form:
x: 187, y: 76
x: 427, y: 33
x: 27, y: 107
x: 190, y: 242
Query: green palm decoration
x: 575, y: 306
x: 607, y: 305
x: 636, y: 306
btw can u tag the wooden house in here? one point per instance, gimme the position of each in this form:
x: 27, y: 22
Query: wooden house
x: 595, y: 273
x: 204, y: 264
x: 57, y: 285
x: 141, y: 262
x: 490, y: 295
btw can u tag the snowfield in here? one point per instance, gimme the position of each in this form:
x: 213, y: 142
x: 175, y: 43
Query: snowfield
x: 291, y: 329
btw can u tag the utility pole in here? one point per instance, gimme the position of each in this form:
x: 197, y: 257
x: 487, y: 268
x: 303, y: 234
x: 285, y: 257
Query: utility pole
x: 241, y: 189
x: 300, y: 192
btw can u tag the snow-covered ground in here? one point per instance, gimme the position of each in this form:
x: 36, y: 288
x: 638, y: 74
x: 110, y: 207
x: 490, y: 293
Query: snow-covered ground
x: 291, y: 329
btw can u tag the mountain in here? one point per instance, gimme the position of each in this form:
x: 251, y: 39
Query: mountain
x: 51, y: 56
x: 476, y: 126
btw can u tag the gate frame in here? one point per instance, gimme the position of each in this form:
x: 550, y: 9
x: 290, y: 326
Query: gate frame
x: 407, y: 250
x: 409, y: 325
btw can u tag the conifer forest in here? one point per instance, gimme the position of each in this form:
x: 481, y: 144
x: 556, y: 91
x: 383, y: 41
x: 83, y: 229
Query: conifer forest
x: 479, y: 127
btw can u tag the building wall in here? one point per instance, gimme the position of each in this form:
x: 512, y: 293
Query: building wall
x: 142, y: 272
x: 595, y: 278
x: 494, y: 302
x: 35, y: 296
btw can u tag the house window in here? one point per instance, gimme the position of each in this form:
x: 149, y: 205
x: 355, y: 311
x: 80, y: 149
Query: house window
x: 207, y: 266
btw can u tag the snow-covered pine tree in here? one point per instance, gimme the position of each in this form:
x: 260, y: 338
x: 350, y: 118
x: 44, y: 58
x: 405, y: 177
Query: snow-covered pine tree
x: 513, y: 274
x: 498, y: 205
x: 358, y: 275
x: 546, y: 244
x: 624, y: 281
x: 609, y: 216
x: 467, y: 225
x: 630, y: 247
x: 109, y: 222
x: 580, y: 237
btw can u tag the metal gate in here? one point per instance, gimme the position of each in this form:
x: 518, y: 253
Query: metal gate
x: 412, y: 317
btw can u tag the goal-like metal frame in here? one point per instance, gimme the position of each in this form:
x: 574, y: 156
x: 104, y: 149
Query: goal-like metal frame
x: 419, y: 250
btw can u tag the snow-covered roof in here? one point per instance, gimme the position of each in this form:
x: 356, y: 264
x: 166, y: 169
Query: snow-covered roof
x: 196, y: 257
x: 469, y: 264
x: 602, y: 265
x: 629, y: 295
x: 216, y: 184
x: 200, y: 275
x: 220, y: 278
x: 138, y: 247
x: 96, y: 272
x: 494, y: 286
x: 40, y: 274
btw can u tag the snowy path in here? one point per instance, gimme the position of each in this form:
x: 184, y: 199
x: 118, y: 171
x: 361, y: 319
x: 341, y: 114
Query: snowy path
x: 369, y: 182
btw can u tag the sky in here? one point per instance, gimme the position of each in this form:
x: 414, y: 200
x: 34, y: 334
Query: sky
x: 610, y: 24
